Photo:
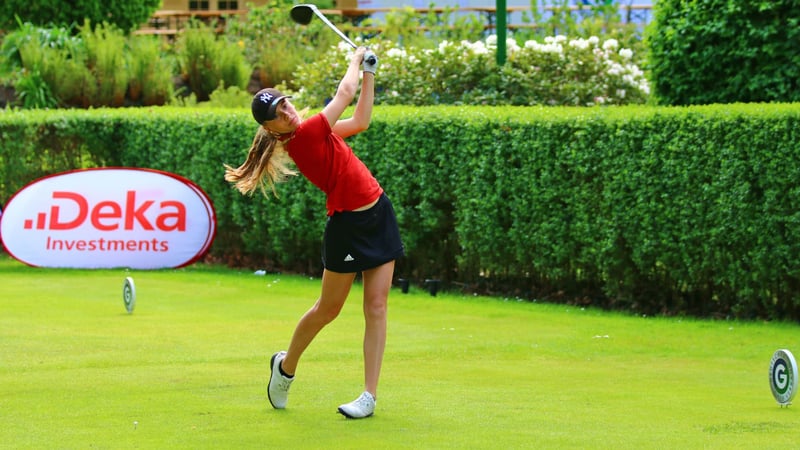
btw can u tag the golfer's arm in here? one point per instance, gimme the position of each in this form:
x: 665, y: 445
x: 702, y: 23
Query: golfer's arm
x: 363, y: 112
x: 345, y: 93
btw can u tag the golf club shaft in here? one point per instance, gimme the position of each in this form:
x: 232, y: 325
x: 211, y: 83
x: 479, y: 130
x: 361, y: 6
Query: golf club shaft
x: 333, y: 27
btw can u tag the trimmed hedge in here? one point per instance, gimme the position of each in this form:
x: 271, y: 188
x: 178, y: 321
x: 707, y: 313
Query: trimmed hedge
x: 690, y: 210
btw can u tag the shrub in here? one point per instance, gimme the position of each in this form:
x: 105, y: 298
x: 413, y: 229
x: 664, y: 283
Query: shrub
x: 231, y: 97
x: 73, y: 83
x: 33, y: 91
x: 53, y: 76
x: 32, y: 88
x: 28, y: 56
x: 151, y: 70
x: 106, y: 59
x: 718, y: 51
x: 51, y: 70
x: 557, y: 72
x: 54, y: 37
x: 206, y: 61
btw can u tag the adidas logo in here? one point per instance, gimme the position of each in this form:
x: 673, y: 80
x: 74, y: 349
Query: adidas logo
x: 349, y: 258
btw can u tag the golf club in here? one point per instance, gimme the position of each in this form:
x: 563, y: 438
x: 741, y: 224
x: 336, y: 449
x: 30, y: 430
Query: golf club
x: 303, y: 14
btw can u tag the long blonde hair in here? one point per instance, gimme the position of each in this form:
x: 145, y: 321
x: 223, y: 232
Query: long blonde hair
x: 267, y: 163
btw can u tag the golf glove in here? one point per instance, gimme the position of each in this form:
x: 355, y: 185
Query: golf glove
x: 370, y: 63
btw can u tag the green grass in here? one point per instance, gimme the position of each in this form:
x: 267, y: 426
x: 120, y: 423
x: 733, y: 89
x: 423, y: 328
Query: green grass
x: 190, y: 367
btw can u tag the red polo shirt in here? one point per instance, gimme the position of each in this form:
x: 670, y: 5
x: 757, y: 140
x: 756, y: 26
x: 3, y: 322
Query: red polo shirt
x: 330, y: 164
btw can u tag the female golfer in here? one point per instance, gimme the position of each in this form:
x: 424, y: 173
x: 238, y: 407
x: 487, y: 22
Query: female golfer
x: 361, y: 233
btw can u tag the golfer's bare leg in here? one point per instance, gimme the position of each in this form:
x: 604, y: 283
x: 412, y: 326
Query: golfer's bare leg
x: 335, y: 288
x: 377, y: 283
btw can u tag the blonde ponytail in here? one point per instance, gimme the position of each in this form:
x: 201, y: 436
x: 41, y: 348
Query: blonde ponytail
x: 267, y: 163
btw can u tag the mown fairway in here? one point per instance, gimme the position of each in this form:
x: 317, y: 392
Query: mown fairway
x: 188, y: 369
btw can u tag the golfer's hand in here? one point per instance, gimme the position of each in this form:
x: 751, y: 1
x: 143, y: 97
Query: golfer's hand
x: 370, y: 63
x: 358, y: 55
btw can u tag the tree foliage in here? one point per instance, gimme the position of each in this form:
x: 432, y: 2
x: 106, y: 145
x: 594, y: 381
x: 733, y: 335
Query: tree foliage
x: 725, y: 51
x: 125, y: 14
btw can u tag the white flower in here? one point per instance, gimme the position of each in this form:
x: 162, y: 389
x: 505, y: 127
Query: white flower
x: 477, y: 48
x: 491, y: 41
x: 594, y: 40
x: 629, y: 79
x: 634, y: 70
x: 557, y: 39
x: 615, y: 68
x: 511, y: 45
x: 610, y: 44
x: 580, y: 44
x: 549, y: 47
x: 395, y: 53
x: 626, y: 53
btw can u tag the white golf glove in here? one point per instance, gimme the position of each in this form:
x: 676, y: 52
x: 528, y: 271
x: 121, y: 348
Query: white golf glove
x: 370, y: 63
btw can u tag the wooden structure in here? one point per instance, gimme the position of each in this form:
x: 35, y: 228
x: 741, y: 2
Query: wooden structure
x: 630, y: 13
x: 207, y: 5
x: 176, y: 13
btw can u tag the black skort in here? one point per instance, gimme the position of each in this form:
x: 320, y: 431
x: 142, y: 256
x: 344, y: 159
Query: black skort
x: 355, y: 241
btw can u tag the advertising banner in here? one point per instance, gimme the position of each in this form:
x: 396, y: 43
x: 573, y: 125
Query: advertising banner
x: 107, y: 218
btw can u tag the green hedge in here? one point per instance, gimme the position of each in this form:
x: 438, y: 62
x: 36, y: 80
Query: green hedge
x: 690, y: 210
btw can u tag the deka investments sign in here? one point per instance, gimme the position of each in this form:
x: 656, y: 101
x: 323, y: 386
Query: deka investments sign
x: 109, y: 217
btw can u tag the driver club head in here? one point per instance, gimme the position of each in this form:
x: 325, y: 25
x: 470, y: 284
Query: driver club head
x: 302, y: 14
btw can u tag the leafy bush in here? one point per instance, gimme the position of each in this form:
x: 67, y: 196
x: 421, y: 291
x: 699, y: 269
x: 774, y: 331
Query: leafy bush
x: 53, y: 76
x: 106, y: 59
x: 90, y: 70
x: 73, y: 83
x: 718, y: 51
x: 231, y: 97
x: 29, y: 55
x: 558, y: 72
x: 54, y: 37
x: 151, y: 69
x: 33, y: 91
x: 207, y: 61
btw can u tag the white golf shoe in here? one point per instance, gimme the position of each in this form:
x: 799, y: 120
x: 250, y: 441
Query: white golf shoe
x: 359, y: 408
x: 278, y: 388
